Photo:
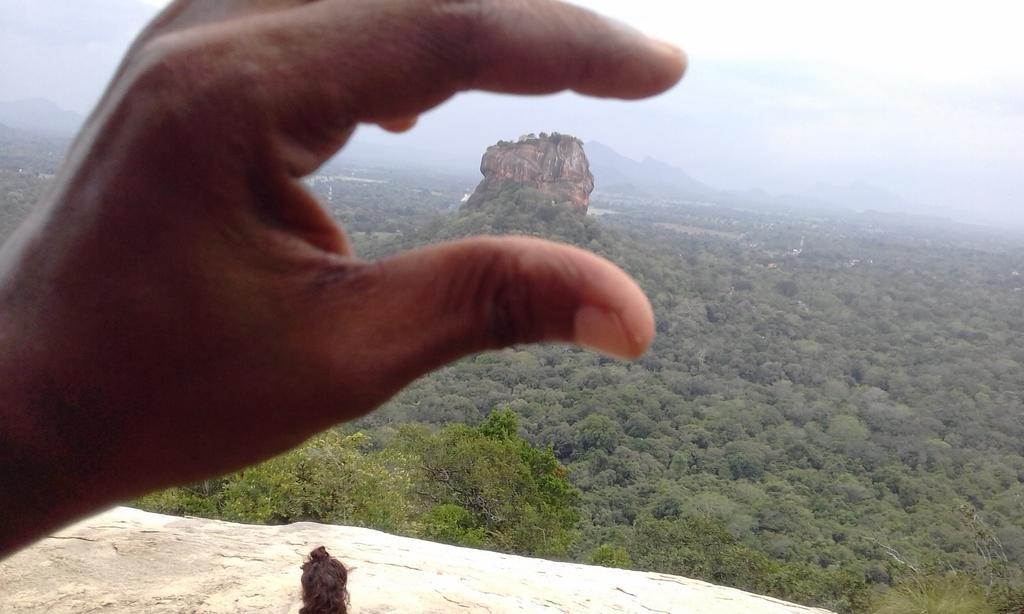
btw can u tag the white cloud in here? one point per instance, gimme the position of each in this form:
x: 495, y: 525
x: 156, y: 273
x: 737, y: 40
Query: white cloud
x: 948, y: 42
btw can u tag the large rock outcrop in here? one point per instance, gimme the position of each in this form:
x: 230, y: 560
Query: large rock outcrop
x: 555, y: 165
x: 126, y: 560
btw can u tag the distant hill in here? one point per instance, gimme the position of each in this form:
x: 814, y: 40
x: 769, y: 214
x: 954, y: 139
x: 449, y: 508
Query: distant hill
x: 377, y: 155
x: 6, y: 132
x: 870, y: 199
x: 615, y: 172
x: 39, y: 116
x: 861, y: 196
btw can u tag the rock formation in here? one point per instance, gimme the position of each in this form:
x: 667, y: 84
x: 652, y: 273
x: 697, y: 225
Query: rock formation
x: 125, y: 560
x: 554, y: 164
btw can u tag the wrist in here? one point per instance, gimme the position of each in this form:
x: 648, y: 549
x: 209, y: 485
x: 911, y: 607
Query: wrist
x: 41, y: 486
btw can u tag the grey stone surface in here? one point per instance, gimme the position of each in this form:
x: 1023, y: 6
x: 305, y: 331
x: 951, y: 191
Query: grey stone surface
x: 125, y: 560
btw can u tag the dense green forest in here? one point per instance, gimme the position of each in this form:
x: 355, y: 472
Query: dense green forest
x: 27, y: 166
x: 832, y: 406
x: 831, y: 412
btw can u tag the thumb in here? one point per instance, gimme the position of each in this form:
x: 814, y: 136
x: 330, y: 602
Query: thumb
x: 422, y: 309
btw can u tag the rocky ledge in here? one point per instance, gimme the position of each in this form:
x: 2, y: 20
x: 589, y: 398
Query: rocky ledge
x: 125, y: 560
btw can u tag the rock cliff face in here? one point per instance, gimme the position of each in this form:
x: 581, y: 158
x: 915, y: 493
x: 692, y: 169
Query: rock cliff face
x: 125, y: 560
x: 554, y: 164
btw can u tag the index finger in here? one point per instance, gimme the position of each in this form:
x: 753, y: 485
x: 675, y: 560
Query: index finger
x: 431, y: 49
x: 330, y: 64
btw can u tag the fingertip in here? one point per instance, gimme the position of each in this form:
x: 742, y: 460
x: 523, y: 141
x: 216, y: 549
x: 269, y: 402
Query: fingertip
x: 666, y: 66
x: 614, y: 317
x: 635, y: 64
x: 492, y: 292
x: 624, y: 335
x: 649, y: 68
x: 638, y: 317
x: 399, y: 125
x: 675, y: 59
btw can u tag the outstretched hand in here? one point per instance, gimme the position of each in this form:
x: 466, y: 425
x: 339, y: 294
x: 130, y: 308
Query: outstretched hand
x: 180, y: 306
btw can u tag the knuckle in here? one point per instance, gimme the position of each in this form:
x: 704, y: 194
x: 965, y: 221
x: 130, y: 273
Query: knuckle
x: 509, y: 312
x: 511, y: 302
x: 330, y: 310
x: 159, y: 65
x: 459, y: 32
x: 493, y: 287
x: 349, y: 279
x: 190, y: 74
x: 156, y: 85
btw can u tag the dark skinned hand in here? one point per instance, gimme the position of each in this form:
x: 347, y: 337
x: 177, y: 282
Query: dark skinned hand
x: 180, y: 307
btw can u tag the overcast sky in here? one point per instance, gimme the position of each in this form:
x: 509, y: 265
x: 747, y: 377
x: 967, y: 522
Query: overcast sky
x: 922, y: 98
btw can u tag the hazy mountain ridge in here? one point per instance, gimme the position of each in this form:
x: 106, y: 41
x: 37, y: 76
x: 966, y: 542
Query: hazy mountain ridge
x: 41, y: 116
x: 34, y: 119
x: 616, y: 173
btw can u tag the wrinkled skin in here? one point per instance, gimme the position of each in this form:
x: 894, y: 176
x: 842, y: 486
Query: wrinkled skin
x: 180, y: 307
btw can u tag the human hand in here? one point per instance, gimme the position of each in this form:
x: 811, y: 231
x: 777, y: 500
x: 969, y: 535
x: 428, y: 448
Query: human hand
x: 180, y: 306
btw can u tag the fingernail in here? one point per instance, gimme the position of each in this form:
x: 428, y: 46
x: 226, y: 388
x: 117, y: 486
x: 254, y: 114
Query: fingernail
x: 603, y: 330
x: 400, y: 125
x: 668, y: 47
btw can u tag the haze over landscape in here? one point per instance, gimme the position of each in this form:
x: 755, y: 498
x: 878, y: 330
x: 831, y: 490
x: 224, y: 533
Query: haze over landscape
x: 915, y: 107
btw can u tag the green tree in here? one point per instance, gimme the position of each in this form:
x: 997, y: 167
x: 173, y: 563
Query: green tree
x: 456, y: 525
x: 332, y: 478
x: 489, y: 483
x: 704, y: 548
x: 607, y: 555
x: 935, y: 595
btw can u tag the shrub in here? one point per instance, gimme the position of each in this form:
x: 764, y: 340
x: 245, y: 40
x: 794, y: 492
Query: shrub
x: 935, y: 595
